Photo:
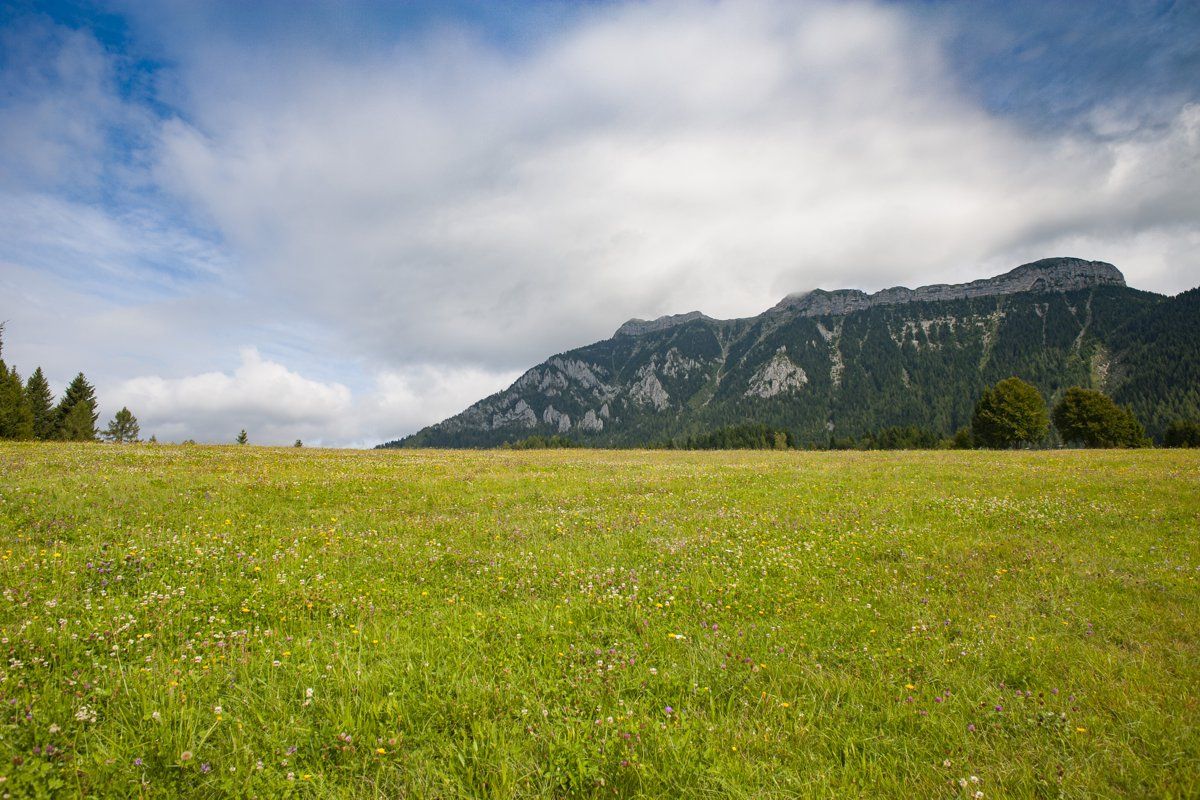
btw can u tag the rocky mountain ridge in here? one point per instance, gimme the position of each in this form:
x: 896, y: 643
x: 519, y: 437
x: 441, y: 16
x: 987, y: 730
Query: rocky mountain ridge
x: 844, y: 363
x: 1046, y: 275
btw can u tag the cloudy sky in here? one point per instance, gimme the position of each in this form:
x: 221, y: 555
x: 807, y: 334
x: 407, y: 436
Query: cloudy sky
x: 342, y: 221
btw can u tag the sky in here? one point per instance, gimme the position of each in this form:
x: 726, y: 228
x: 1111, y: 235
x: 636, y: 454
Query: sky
x: 341, y: 221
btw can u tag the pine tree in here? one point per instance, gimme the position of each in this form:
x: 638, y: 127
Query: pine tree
x: 82, y: 427
x: 298, y: 443
x: 41, y: 403
x: 16, y: 418
x: 242, y: 438
x: 123, y: 427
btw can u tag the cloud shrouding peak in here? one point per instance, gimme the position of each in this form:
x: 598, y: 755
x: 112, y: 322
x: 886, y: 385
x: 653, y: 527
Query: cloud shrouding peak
x: 415, y: 219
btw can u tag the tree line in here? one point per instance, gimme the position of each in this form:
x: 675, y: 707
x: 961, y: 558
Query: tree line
x: 28, y: 409
x: 1010, y: 414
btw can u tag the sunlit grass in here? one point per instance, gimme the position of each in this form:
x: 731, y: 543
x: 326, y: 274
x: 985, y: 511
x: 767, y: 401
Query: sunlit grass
x: 196, y: 621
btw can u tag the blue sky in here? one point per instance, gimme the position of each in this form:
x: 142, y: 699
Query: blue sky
x: 341, y: 221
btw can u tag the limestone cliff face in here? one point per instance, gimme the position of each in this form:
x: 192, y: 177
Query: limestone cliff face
x: 821, y: 363
x: 1047, y: 275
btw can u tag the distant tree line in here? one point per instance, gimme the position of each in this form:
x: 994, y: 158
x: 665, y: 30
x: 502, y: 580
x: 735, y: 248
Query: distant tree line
x: 28, y: 410
x: 740, y: 437
x: 554, y: 442
x: 1011, y: 414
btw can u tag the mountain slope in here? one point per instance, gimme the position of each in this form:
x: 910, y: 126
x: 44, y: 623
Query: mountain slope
x: 845, y: 363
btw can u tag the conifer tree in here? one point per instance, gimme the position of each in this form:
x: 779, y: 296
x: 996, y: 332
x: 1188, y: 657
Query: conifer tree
x: 41, y: 403
x: 78, y: 425
x: 76, y: 412
x: 242, y: 438
x: 123, y: 427
x: 16, y: 418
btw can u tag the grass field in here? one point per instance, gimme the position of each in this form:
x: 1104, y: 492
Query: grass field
x: 225, y: 621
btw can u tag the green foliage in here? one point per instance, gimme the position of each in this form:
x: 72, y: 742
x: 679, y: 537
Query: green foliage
x: 542, y: 443
x: 517, y: 624
x: 900, y: 437
x: 1010, y: 414
x: 1182, y: 433
x: 1090, y: 418
x: 298, y: 443
x: 1156, y: 356
x: 16, y: 417
x: 740, y: 437
x: 79, y: 424
x: 242, y: 438
x: 962, y: 439
x: 41, y: 404
x: 76, y: 414
x: 123, y: 427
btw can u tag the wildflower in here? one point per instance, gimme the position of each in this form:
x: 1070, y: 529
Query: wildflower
x: 186, y: 755
x: 669, y: 711
x: 54, y: 728
x: 380, y: 751
x: 205, y: 767
x: 137, y: 762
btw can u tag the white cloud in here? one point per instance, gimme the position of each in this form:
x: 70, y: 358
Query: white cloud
x: 447, y: 204
x: 414, y: 224
x: 277, y: 405
x: 260, y: 395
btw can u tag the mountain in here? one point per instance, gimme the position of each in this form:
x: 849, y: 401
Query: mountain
x: 837, y: 364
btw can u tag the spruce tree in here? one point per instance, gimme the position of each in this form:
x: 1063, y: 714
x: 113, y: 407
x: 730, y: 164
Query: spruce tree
x: 79, y: 425
x: 123, y: 427
x: 41, y: 403
x: 242, y: 438
x: 16, y: 418
x: 79, y: 393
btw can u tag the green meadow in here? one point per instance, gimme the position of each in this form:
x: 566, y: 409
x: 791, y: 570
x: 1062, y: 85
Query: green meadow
x: 188, y: 621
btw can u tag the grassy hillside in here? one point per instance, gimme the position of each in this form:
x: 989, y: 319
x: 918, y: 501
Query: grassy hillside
x: 200, y: 622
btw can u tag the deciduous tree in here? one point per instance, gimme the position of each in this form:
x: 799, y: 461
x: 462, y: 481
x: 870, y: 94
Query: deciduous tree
x: 1090, y: 418
x: 1010, y: 414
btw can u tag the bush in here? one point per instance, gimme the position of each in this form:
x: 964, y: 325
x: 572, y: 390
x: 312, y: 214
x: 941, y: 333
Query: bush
x: 1182, y: 433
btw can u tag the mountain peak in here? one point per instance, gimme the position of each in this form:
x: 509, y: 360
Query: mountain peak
x: 637, y: 327
x: 1046, y: 275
